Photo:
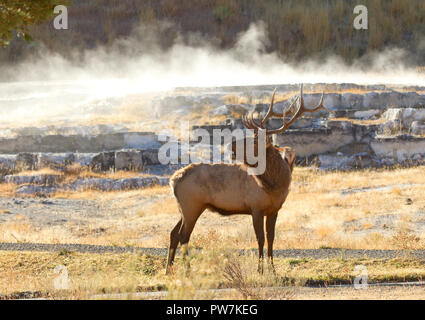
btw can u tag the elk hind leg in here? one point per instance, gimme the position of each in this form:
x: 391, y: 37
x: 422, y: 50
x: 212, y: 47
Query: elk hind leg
x: 190, y: 216
x: 174, y: 241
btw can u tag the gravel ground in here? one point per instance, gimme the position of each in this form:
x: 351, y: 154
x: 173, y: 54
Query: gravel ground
x: 284, y: 253
x: 51, y: 212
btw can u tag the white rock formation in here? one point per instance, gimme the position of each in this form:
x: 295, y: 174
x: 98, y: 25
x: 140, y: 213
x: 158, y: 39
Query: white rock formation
x: 418, y: 128
x: 404, y: 116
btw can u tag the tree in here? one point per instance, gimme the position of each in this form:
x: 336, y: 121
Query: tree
x: 18, y: 15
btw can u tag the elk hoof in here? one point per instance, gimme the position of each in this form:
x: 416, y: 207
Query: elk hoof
x: 271, y: 266
x: 169, y: 269
x: 260, y: 268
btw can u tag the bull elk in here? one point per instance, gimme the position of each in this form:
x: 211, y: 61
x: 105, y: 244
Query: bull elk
x: 229, y: 189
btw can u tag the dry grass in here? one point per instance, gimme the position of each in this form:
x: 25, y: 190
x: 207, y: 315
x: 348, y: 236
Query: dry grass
x: 42, y: 171
x: 161, y: 206
x: 149, y: 192
x: 7, y: 189
x: 214, y: 268
x: 250, y: 99
x: 71, y: 173
x: 76, y: 171
x: 306, y: 179
x: 359, y: 121
x: 316, y: 214
x: 312, y: 217
x: 88, y: 273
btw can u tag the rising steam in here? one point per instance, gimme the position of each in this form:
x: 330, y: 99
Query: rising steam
x: 50, y: 85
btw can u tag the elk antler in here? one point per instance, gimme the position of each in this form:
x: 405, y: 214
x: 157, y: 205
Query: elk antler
x: 271, y: 112
x: 252, y: 124
x: 298, y: 113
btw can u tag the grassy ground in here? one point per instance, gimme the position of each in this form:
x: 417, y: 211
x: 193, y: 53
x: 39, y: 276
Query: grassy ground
x: 215, y: 268
x: 317, y: 213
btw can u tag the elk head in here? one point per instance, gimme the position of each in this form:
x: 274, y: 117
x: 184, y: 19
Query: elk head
x: 289, y: 116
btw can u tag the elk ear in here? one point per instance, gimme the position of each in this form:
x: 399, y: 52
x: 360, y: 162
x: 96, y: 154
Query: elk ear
x: 289, y: 155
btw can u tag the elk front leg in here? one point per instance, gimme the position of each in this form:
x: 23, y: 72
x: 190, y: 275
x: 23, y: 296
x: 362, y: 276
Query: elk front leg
x: 270, y: 231
x: 258, y: 221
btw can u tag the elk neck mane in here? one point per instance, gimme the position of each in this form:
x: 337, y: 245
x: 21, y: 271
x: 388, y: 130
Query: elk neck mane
x: 277, y: 175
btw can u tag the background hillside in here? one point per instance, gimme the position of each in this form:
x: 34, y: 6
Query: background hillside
x: 297, y: 29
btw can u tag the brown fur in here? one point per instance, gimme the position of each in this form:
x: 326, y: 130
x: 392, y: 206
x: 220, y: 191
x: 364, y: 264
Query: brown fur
x: 228, y: 189
x: 275, y: 177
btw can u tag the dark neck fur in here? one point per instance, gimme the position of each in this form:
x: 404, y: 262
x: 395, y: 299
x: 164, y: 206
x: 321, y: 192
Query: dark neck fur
x: 277, y: 175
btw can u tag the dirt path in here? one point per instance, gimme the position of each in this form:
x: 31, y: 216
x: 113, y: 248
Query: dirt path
x: 406, y: 290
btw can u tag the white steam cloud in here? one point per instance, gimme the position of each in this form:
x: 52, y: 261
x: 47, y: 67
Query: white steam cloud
x: 52, y: 85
